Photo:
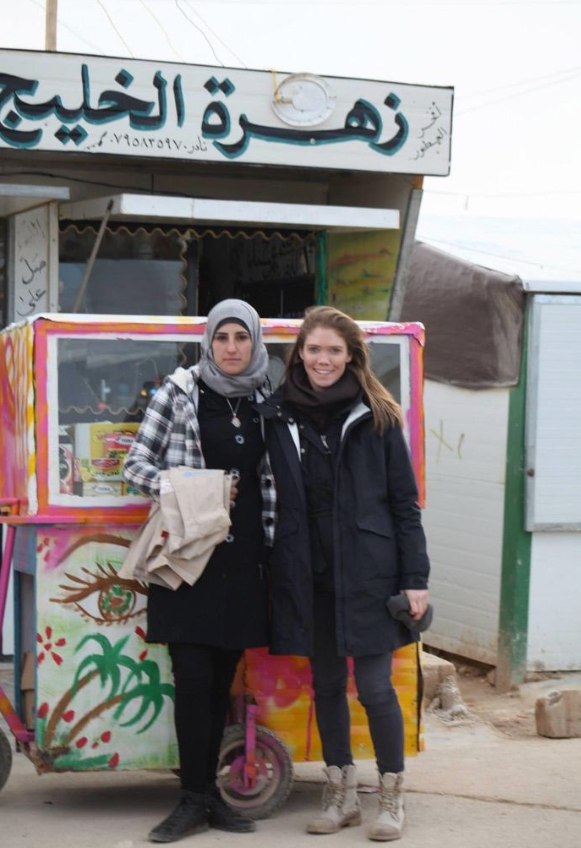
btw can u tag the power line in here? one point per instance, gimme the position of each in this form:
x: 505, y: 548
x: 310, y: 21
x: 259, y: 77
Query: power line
x: 201, y: 31
x: 127, y: 47
x: 469, y: 249
x: 517, y: 94
x: 390, y: 3
x: 160, y: 25
x: 61, y: 23
x: 542, y: 78
x: 215, y: 34
x: 504, y: 194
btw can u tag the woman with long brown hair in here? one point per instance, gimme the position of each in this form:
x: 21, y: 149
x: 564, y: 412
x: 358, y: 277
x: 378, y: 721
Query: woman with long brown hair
x: 348, y: 537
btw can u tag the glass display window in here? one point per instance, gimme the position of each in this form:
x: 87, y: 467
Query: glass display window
x: 87, y: 381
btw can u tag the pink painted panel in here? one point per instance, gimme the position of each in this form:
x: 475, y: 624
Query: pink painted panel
x: 16, y: 412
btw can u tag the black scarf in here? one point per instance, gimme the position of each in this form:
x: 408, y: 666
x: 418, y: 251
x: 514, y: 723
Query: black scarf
x: 319, y: 406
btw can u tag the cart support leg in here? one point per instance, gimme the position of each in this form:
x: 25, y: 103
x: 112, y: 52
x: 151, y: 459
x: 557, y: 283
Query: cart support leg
x: 250, y: 747
x: 5, y: 573
x: 18, y: 729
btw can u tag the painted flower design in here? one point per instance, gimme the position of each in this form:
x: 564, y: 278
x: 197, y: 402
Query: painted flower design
x: 140, y: 632
x: 48, y: 646
x: 44, y: 547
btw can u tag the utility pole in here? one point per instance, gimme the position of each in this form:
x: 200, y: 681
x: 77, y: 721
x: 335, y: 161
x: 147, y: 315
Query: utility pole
x: 51, y: 16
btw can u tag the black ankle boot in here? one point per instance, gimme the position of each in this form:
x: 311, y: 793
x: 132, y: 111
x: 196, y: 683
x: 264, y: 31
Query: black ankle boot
x: 223, y: 817
x: 189, y: 816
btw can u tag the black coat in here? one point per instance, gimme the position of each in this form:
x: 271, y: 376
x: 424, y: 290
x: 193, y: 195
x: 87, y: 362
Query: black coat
x: 379, y: 543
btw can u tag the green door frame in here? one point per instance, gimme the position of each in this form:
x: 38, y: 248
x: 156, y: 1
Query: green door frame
x: 322, y: 284
x: 516, y: 542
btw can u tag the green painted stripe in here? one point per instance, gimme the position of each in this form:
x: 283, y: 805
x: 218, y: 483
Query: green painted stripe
x: 321, y: 286
x: 516, y: 542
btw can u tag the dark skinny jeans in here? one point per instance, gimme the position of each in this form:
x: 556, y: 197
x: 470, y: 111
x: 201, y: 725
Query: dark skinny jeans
x: 374, y: 690
x: 203, y: 676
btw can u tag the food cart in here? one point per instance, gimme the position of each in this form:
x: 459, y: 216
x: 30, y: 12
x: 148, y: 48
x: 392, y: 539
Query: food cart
x: 90, y: 693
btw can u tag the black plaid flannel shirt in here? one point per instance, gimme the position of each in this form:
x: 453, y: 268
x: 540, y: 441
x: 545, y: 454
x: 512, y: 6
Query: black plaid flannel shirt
x: 169, y: 436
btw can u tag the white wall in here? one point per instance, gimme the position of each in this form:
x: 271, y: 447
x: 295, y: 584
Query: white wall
x: 465, y: 474
x: 554, y: 639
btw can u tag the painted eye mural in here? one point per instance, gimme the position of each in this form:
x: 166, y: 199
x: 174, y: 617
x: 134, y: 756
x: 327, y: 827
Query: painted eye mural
x: 102, y: 596
x: 88, y: 583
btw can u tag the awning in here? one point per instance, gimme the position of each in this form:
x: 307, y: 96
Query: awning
x: 192, y: 210
x: 473, y: 318
x: 16, y: 198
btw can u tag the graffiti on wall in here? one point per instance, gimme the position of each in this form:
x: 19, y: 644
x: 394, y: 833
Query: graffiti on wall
x: 31, y: 273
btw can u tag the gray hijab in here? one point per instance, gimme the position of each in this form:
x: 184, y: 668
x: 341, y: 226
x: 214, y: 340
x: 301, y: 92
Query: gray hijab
x: 255, y: 374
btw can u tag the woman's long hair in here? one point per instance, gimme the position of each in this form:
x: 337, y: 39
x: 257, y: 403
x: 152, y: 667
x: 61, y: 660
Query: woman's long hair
x: 386, y: 411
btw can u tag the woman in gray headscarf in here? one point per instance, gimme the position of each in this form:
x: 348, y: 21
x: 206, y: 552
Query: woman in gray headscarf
x: 203, y: 417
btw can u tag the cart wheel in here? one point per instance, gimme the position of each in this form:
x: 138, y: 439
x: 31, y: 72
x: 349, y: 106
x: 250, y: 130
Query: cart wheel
x: 274, y: 768
x: 5, y: 758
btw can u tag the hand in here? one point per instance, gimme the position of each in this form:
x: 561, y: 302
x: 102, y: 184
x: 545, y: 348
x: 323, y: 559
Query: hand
x: 233, y: 493
x: 418, y: 599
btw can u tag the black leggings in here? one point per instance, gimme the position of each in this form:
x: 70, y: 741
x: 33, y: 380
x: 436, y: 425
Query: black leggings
x: 203, y: 676
x: 374, y: 689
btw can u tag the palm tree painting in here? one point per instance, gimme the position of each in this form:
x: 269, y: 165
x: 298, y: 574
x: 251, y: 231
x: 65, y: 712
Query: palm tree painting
x: 130, y: 694
x: 104, y: 698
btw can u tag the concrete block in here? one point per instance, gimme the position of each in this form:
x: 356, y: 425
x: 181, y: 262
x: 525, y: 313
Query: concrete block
x: 558, y: 714
x: 434, y: 670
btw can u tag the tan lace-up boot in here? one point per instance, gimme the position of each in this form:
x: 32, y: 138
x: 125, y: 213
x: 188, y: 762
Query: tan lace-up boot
x: 340, y: 806
x: 389, y: 822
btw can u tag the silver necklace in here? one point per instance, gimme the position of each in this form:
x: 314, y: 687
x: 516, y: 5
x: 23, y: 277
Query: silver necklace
x: 235, y: 421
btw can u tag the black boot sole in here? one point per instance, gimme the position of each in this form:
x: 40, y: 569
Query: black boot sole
x: 233, y: 829
x: 199, y: 828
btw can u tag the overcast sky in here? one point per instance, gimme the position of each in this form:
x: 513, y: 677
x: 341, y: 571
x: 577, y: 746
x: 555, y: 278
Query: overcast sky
x: 515, y: 66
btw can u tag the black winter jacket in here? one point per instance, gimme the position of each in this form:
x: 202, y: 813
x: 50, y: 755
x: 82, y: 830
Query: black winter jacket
x: 379, y: 543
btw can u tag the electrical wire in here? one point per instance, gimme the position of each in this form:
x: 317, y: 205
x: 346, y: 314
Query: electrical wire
x: 61, y: 23
x: 517, y: 94
x: 542, y: 265
x: 542, y: 78
x: 390, y: 3
x: 215, y: 34
x: 505, y: 194
x: 211, y: 46
x: 160, y: 25
x: 110, y: 19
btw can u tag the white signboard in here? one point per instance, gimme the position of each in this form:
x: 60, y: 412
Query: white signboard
x: 86, y: 104
x: 31, y: 252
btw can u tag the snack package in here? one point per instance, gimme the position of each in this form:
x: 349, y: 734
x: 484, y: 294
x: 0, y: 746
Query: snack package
x: 98, y: 439
x: 105, y: 468
x: 99, y: 489
x: 65, y: 462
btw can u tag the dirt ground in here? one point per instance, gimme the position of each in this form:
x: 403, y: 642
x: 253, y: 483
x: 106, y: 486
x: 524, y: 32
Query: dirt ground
x: 512, y: 713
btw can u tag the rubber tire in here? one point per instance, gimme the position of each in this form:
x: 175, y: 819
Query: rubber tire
x: 5, y: 758
x: 276, y: 759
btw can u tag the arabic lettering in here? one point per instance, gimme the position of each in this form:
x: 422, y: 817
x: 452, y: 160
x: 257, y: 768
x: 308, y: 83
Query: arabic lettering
x: 436, y: 141
x: 112, y: 105
x: 384, y: 131
x: 33, y: 271
x: 434, y: 113
x: 197, y: 145
x: 363, y: 123
x: 31, y: 301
